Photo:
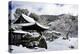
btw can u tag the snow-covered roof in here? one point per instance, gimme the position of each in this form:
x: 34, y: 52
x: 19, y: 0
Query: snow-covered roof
x: 20, y: 31
x: 29, y: 19
x: 34, y: 34
x: 25, y: 24
x: 42, y: 26
x: 32, y: 22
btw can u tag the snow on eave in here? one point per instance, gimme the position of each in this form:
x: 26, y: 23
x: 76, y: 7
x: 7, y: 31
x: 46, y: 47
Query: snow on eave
x: 20, y: 31
x: 32, y: 22
x: 24, y: 24
x: 42, y: 26
x: 29, y: 19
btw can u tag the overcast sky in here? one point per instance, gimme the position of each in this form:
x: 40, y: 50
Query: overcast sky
x: 46, y: 8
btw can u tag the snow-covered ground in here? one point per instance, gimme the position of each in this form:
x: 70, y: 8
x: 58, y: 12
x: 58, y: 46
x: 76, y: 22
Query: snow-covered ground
x: 58, y: 44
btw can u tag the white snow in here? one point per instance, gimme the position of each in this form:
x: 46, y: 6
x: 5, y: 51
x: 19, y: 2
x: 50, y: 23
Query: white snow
x: 19, y: 31
x: 24, y: 24
x: 35, y: 34
x: 32, y: 22
x: 29, y: 19
x: 23, y: 32
x: 42, y: 26
x: 58, y: 44
x: 53, y: 31
x: 21, y: 49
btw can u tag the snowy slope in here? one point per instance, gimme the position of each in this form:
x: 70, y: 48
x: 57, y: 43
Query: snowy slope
x: 58, y: 44
x: 21, y: 49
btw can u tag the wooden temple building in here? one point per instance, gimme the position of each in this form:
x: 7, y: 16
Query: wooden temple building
x: 22, y: 25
